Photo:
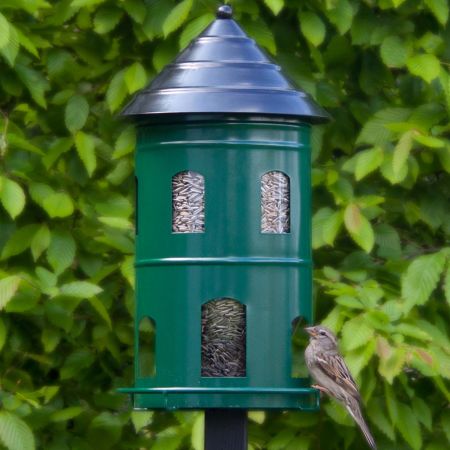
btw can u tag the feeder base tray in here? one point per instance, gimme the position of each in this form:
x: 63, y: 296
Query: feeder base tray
x: 305, y: 399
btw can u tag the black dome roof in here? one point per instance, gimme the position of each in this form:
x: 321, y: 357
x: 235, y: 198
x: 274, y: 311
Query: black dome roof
x: 223, y: 71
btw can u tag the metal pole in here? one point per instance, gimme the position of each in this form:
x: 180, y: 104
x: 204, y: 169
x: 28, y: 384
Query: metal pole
x: 225, y: 429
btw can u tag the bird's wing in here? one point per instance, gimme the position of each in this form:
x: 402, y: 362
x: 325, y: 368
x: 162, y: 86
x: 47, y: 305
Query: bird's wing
x: 334, y: 366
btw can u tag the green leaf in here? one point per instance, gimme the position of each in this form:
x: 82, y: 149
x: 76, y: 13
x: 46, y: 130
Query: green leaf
x: 12, y: 197
x: 359, y: 227
x: 80, y: 289
x: 26, y: 43
x: 50, y: 338
x: 421, y: 278
x: 117, y: 91
x: 15, y: 434
x: 136, y: 9
x: 375, y: 131
x: 194, y: 28
x: 391, y: 403
x: 281, y: 440
x: 447, y: 284
x: 34, y: 82
x: 401, y: 153
x: 331, y: 227
x: 8, y: 288
x: 356, y: 333
x: 126, y: 142
x: 445, y: 421
x: 312, y: 27
x: 413, y: 331
x: 58, y: 204
x: 358, y: 359
x: 378, y: 416
x: 439, y: 8
x: 391, y: 363
x: 4, y: 31
x: 367, y: 161
x: 39, y: 192
x: 40, y: 241
x: 78, y: 4
x: 61, y: 252
x: 65, y: 414
x: 116, y: 222
x: 3, y: 329
x: 177, y: 17
x: 387, y: 169
x: 11, y: 50
x: 429, y: 141
x: 135, y: 77
x: 101, y: 310
x: 318, y: 220
x: 75, y: 363
x: 141, y: 419
x: 393, y: 51
x: 422, y: 412
x: 341, y: 15
x: 258, y: 417
x: 425, y: 66
x: 24, y: 144
x: 275, y: 5
x: 198, y: 432
x: 105, y: 431
x: 76, y: 113
x: 409, y: 426
x: 19, y: 241
x: 444, y: 158
x: 106, y: 19
x: 127, y: 269
x: 262, y: 34
x: 85, y: 145
x: 388, y: 241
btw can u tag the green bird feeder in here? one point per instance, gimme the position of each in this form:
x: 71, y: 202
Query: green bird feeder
x: 223, y: 228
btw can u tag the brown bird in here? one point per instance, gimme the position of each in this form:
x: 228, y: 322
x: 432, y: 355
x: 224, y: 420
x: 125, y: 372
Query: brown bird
x: 327, y: 366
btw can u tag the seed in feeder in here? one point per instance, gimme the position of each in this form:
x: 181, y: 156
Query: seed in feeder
x: 223, y: 339
x: 275, y: 203
x: 188, y: 202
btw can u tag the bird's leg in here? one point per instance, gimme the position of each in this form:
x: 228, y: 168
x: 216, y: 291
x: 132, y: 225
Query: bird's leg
x: 321, y: 388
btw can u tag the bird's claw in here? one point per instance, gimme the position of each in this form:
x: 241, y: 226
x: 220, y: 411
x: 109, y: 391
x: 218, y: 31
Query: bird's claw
x: 320, y: 388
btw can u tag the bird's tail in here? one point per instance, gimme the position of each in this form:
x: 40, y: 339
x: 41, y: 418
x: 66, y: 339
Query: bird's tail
x: 354, y: 409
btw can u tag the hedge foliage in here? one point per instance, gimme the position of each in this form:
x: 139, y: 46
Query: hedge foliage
x: 381, y: 220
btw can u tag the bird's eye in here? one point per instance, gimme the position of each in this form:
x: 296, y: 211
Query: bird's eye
x: 322, y: 333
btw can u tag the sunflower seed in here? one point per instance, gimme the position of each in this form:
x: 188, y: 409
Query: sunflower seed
x: 188, y: 202
x: 275, y: 203
x: 223, y: 339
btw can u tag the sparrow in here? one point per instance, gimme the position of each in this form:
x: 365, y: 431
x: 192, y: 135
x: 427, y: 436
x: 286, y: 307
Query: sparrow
x: 327, y: 367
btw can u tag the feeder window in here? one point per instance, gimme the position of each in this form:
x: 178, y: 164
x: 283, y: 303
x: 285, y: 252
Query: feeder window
x: 299, y: 341
x: 147, y: 336
x: 188, y: 202
x: 275, y: 203
x: 223, y: 338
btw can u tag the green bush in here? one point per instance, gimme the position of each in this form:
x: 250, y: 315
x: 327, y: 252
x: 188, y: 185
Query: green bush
x: 381, y: 221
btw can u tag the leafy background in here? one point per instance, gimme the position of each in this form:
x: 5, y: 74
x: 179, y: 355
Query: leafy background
x: 381, y: 220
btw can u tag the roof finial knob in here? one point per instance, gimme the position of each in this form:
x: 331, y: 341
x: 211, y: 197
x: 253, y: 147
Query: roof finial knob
x: 224, y: 12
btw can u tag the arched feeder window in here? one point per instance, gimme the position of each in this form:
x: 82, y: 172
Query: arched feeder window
x: 147, y: 338
x: 223, y: 338
x: 188, y: 202
x: 275, y: 203
x: 299, y: 341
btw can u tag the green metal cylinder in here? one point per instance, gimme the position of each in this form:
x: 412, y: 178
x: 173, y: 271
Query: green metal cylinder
x: 177, y: 273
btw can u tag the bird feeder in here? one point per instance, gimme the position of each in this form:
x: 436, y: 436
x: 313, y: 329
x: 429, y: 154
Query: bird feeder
x: 223, y: 228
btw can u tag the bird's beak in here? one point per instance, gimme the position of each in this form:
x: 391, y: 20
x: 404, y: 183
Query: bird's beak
x: 311, y: 331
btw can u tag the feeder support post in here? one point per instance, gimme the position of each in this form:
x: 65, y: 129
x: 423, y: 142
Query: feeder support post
x: 225, y: 429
